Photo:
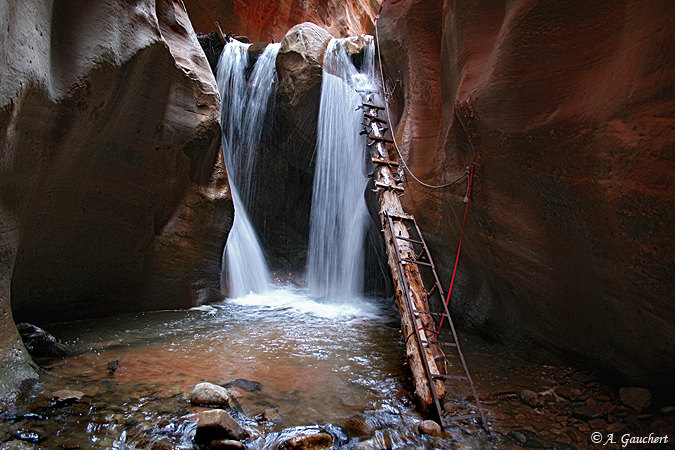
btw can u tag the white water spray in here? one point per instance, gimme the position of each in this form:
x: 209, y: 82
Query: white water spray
x: 339, y: 216
x: 242, y: 112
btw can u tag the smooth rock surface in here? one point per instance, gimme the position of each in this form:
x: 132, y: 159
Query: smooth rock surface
x: 567, y: 111
x: 109, y: 201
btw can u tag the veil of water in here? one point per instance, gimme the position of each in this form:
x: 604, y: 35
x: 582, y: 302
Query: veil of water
x: 339, y: 216
x: 244, y: 105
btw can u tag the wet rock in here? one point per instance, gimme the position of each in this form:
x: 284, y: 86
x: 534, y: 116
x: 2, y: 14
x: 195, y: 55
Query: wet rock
x: 209, y: 394
x: 431, y: 428
x: 40, y: 343
x: 316, y: 441
x: 217, y: 424
x: 247, y: 385
x: 66, y: 397
x: 450, y: 407
x: 226, y: 444
x: 357, y: 426
x: 270, y: 414
x: 531, y: 398
x: 637, y: 398
x: 526, y: 438
x: 585, y: 412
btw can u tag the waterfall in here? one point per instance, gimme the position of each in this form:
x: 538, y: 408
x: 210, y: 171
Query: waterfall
x: 243, y: 109
x: 339, y: 216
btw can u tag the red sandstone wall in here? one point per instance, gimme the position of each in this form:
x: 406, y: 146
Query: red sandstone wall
x: 568, y: 111
x: 264, y: 20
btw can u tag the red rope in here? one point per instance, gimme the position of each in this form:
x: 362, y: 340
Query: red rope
x: 461, y: 236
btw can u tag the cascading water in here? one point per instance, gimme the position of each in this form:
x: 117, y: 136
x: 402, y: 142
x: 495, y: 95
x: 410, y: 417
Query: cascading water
x: 243, y: 109
x: 339, y: 216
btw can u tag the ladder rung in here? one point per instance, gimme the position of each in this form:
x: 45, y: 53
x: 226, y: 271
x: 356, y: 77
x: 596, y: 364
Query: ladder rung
x: 374, y: 118
x: 385, y: 162
x: 389, y: 186
x: 463, y: 417
x: 450, y: 377
x: 415, y: 241
x: 402, y: 216
x: 421, y: 311
x: 371, y: 106
x: 416, y: 262
x: 447, y: 344
x: 380, y: 139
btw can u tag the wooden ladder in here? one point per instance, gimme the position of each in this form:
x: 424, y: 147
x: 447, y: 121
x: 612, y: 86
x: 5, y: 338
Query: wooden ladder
x: 423, y: 259
x: 410, y: 248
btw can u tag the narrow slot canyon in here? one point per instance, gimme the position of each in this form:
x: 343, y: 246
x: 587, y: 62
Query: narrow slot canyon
x: 356, y: 224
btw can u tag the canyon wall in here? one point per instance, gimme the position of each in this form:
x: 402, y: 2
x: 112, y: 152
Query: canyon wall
x: 265, y: 20
x: 567, y: 109
x: 109, y: 136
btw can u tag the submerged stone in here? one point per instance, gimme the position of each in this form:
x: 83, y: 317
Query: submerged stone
x: 317, y: 441
x: 66, y: 397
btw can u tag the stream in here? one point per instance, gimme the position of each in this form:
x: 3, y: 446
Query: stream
x: 303, y: 366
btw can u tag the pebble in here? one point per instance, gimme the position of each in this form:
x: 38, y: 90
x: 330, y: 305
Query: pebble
x: 430, y: 428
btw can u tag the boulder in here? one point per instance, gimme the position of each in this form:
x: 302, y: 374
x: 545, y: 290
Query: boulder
x: 635, y: 397
x: 209, y: 394
x: 284, y: 171
x: 318, y: 441
x: 217, y: 424
x: 39, y: 343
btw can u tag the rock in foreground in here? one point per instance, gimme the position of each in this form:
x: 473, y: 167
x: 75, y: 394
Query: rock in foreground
x: 317, y: 441
x: 217, y: 424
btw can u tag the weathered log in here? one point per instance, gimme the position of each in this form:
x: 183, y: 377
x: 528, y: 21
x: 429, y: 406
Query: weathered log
x: 390, y: 206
